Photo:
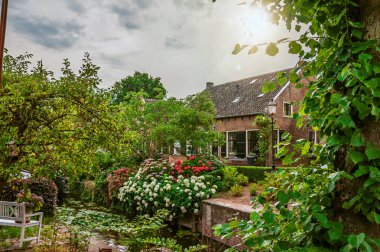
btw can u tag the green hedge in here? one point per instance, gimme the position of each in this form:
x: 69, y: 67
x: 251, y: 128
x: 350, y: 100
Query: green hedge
x: 256, y: 173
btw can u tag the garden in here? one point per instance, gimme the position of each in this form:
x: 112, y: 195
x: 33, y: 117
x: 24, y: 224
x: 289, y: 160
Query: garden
x: 96, y: 162
x: 131, y: 209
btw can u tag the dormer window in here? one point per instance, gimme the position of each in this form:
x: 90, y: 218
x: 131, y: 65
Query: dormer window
x: 287, y: 109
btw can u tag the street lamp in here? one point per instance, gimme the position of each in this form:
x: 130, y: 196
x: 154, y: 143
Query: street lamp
x: 272, y: 112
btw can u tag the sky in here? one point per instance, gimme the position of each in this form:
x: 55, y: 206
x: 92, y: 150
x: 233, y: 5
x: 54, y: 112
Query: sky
x: 184, y: 42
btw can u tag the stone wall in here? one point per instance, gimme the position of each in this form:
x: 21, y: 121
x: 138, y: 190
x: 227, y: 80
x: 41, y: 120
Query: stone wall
x: 217, y: 211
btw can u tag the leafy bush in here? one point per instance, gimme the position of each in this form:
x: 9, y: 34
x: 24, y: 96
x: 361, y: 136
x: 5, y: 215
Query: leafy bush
x: 307, y: 224
x: 241, y: 180
x: 256, y: 173
x: 195, y: 165
x: 232, y: 178
x: 229, y: 176
x: 236, y: 191
x: 253, y: 189
x: 40, y: 186
x: 116, y: 179
x: 147, y: 193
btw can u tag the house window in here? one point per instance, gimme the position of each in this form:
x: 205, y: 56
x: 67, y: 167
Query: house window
x: 236, y: 144
x: 313, y: 137
x: 277, y: 135
x: 253, y: 142
x: 223, y: 147
x: 287, y: 109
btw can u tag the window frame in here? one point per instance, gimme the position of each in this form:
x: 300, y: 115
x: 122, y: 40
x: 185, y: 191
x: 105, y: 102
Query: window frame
x: 284, y: 110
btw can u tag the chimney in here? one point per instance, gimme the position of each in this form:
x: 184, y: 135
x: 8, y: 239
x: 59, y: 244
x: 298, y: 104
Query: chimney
x: 209, y: 85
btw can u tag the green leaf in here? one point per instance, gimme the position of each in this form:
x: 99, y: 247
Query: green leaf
x: 351, y: 202
x: 361, y: 107
x: 367, y: 247
x: 356, y: 24
x: 323, y: 220
x: 347, y: 248
x: 254, y: 216
x: 282, y: 197
x: 374, y: 172
x: 335, y: 140
x: 356, y: 156
x: 345, y: 72
x: 341, y: 40
x: 356, y: 240
x: 376, y: 242
x: 336, y: 231
x: 269, y: 217
x: 346, y: 121
x: 357, y: 33
x: 282, y: 81
x: 297, y: 28
x: 268, y: 86
x: 238, y: 48
x: 306, y: 148
x: 375, y: 217
x: 361, y: 171
x: 365, y: 57
x: 375, y: 110
x: 294, y: 47
x: 372, y: 151
x: 253, y: 50
x: 272, y: 49
x: 357, y: 140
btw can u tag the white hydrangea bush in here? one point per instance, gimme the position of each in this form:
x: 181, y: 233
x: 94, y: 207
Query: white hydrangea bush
x: 147, y: 193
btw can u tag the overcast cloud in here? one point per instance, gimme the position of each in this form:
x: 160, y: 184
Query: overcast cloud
x: 186, y: 43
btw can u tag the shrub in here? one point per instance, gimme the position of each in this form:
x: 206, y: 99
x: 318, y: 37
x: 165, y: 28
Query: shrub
x: 253, y: 189
x: 154, y: 187
x: 229, y: 176
x: 236, y: 190
x: 195, y: 165
x: 241, y: 180
x: 116, y: 179
x: 48, y: 191
x: 147, y: 194
x: 253, y: 173
x: 40, y: 186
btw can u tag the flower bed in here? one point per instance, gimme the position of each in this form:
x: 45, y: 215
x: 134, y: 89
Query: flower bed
x: 179, y: 188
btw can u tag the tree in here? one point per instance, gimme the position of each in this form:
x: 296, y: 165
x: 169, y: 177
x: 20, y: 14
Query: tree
x: 340, y: 56
x: 50, y: 126
x: 139, y: 82
x: 163, y: 123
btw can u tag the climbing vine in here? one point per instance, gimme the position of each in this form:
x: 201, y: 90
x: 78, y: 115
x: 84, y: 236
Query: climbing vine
x: 339, y: 56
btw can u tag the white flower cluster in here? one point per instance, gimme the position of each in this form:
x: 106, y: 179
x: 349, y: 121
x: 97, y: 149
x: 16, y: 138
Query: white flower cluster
x: 179, y: 195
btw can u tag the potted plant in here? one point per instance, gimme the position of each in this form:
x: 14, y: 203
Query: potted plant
x: 251, y: 158
x: 33, y: 202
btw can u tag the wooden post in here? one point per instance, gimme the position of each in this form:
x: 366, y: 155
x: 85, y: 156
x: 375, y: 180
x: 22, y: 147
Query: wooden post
x: 3, y: 25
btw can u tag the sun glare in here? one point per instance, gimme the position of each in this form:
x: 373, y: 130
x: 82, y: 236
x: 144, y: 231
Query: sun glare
x: 256, y: 22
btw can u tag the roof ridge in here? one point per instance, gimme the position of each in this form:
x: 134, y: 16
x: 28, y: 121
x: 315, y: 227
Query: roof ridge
x: 255, y: 76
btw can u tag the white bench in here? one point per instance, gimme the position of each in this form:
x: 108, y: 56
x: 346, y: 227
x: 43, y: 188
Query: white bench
x: 14, y: 214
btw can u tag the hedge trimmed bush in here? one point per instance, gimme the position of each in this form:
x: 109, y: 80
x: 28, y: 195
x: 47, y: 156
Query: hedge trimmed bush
x: 256, y: 173
x: 41, y: 186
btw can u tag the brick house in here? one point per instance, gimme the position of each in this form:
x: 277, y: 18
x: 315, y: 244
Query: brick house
x: 238, y: 102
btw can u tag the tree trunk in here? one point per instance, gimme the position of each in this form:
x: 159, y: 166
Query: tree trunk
x: 369, y: 15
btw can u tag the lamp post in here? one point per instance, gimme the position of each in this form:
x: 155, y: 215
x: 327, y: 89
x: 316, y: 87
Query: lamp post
x: 3, y: 24
x: 271, y: 112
